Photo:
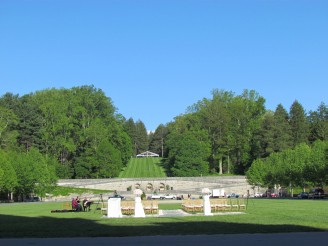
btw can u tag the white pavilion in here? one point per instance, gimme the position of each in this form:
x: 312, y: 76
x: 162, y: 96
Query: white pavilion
x: 147, y: 154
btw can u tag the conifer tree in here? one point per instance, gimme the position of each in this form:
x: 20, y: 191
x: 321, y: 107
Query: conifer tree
x: 298, y: 123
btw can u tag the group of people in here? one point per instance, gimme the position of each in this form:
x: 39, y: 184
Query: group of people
x: 76, y: 205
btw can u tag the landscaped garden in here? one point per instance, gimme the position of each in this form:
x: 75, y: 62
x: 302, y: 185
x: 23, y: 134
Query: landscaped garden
x: 261, y: 216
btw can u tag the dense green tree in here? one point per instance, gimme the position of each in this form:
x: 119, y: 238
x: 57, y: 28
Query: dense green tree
x: 8, y: 134
x: 296, y: 162
x: 281, y: 130
x: 315, y: 169
x: 319, y: 123
x: 292, y: 168
x: 73, y: 121
x: 246, y: 113
x: 188, y: 154
x: 8, y: 178
x: 130, y: 128
x: 298, y: 123
x: 262, y: 143
x: 30, y: 123
x: 256, y: 173
x: 108, y: 159
x: 216, y: 120
x: 156, y: 144
x: 34, y: 174
x: 141, y: 137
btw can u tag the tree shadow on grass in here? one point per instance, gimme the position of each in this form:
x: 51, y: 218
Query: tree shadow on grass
x: 43, y: 227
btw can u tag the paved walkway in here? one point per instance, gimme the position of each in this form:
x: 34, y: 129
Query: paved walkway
x: 172, y: 213
x: 180, y: 213
x: 281, y: 239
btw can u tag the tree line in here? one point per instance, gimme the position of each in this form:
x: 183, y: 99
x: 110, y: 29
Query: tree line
x: 227, y: 133
x: 78, y: 133
x: 305, y: 165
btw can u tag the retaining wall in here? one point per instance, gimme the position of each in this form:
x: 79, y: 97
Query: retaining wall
x: 194, y: 185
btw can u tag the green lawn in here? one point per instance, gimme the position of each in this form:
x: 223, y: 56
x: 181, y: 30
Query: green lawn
x: 143, y: 168
x: 262, y: 216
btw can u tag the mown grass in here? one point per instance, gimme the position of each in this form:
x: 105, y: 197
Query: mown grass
x: 262, y: 216
x: 66, y: 191
x: 143, y: 168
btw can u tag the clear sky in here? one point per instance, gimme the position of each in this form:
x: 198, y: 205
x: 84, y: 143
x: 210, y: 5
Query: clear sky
x: 155, y: 58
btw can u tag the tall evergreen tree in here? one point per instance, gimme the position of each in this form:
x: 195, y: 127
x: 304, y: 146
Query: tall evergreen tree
x: 319, y: 123
x: 298, y: 123
x: 30, y: 123
x: 130, y: 128
x: 141, y: 137
x: 281, y: 130
x: 156, y: 144
x: 263, y: 139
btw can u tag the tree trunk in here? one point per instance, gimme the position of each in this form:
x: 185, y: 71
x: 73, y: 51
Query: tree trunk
x: 228, y: 170
x: 220, y: 166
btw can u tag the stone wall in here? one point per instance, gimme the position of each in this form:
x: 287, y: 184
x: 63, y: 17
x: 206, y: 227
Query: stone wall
x: 175, y: 185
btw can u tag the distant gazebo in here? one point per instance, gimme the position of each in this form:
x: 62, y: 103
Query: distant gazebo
x: 147, y: 154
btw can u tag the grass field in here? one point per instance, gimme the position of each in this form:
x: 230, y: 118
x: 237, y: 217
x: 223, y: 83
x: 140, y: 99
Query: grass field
x: 143, y: 168
x: 262, y: 216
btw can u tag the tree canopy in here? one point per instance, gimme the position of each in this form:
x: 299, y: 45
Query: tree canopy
x: 78, y: 133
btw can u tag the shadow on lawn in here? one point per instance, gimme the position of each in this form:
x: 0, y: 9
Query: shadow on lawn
x: 19, y: 226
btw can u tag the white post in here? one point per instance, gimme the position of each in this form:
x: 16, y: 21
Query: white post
x: 114, y: 208
x: 207, y: 205
x: 138, y: 208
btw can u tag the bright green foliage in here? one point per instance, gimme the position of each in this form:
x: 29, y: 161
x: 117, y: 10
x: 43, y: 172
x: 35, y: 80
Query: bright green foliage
x: 8, y: 178
x: 256, y: 174
x: 8, y: 135
x: 68, y: 125
x: 247, y: 111
x: 315, y: 170
x: 216, y: 119
x: 143, y: 168
x: 35, y: 173
x: 293, y: 167
x: 188, y: 154
x: 80, y: 128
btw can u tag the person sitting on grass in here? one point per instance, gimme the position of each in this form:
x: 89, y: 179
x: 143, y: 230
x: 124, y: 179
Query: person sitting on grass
x: 86, y: 204
x: 75, y: 205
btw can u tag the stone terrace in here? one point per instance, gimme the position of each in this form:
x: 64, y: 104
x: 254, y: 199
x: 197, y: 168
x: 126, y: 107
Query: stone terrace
x: 174, y: 185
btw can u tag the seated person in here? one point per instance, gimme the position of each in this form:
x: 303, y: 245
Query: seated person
x: 76, y: 206
x: 86, y: 204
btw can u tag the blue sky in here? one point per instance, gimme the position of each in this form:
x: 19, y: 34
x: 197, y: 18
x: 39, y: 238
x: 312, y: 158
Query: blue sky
x: 156, y: 58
